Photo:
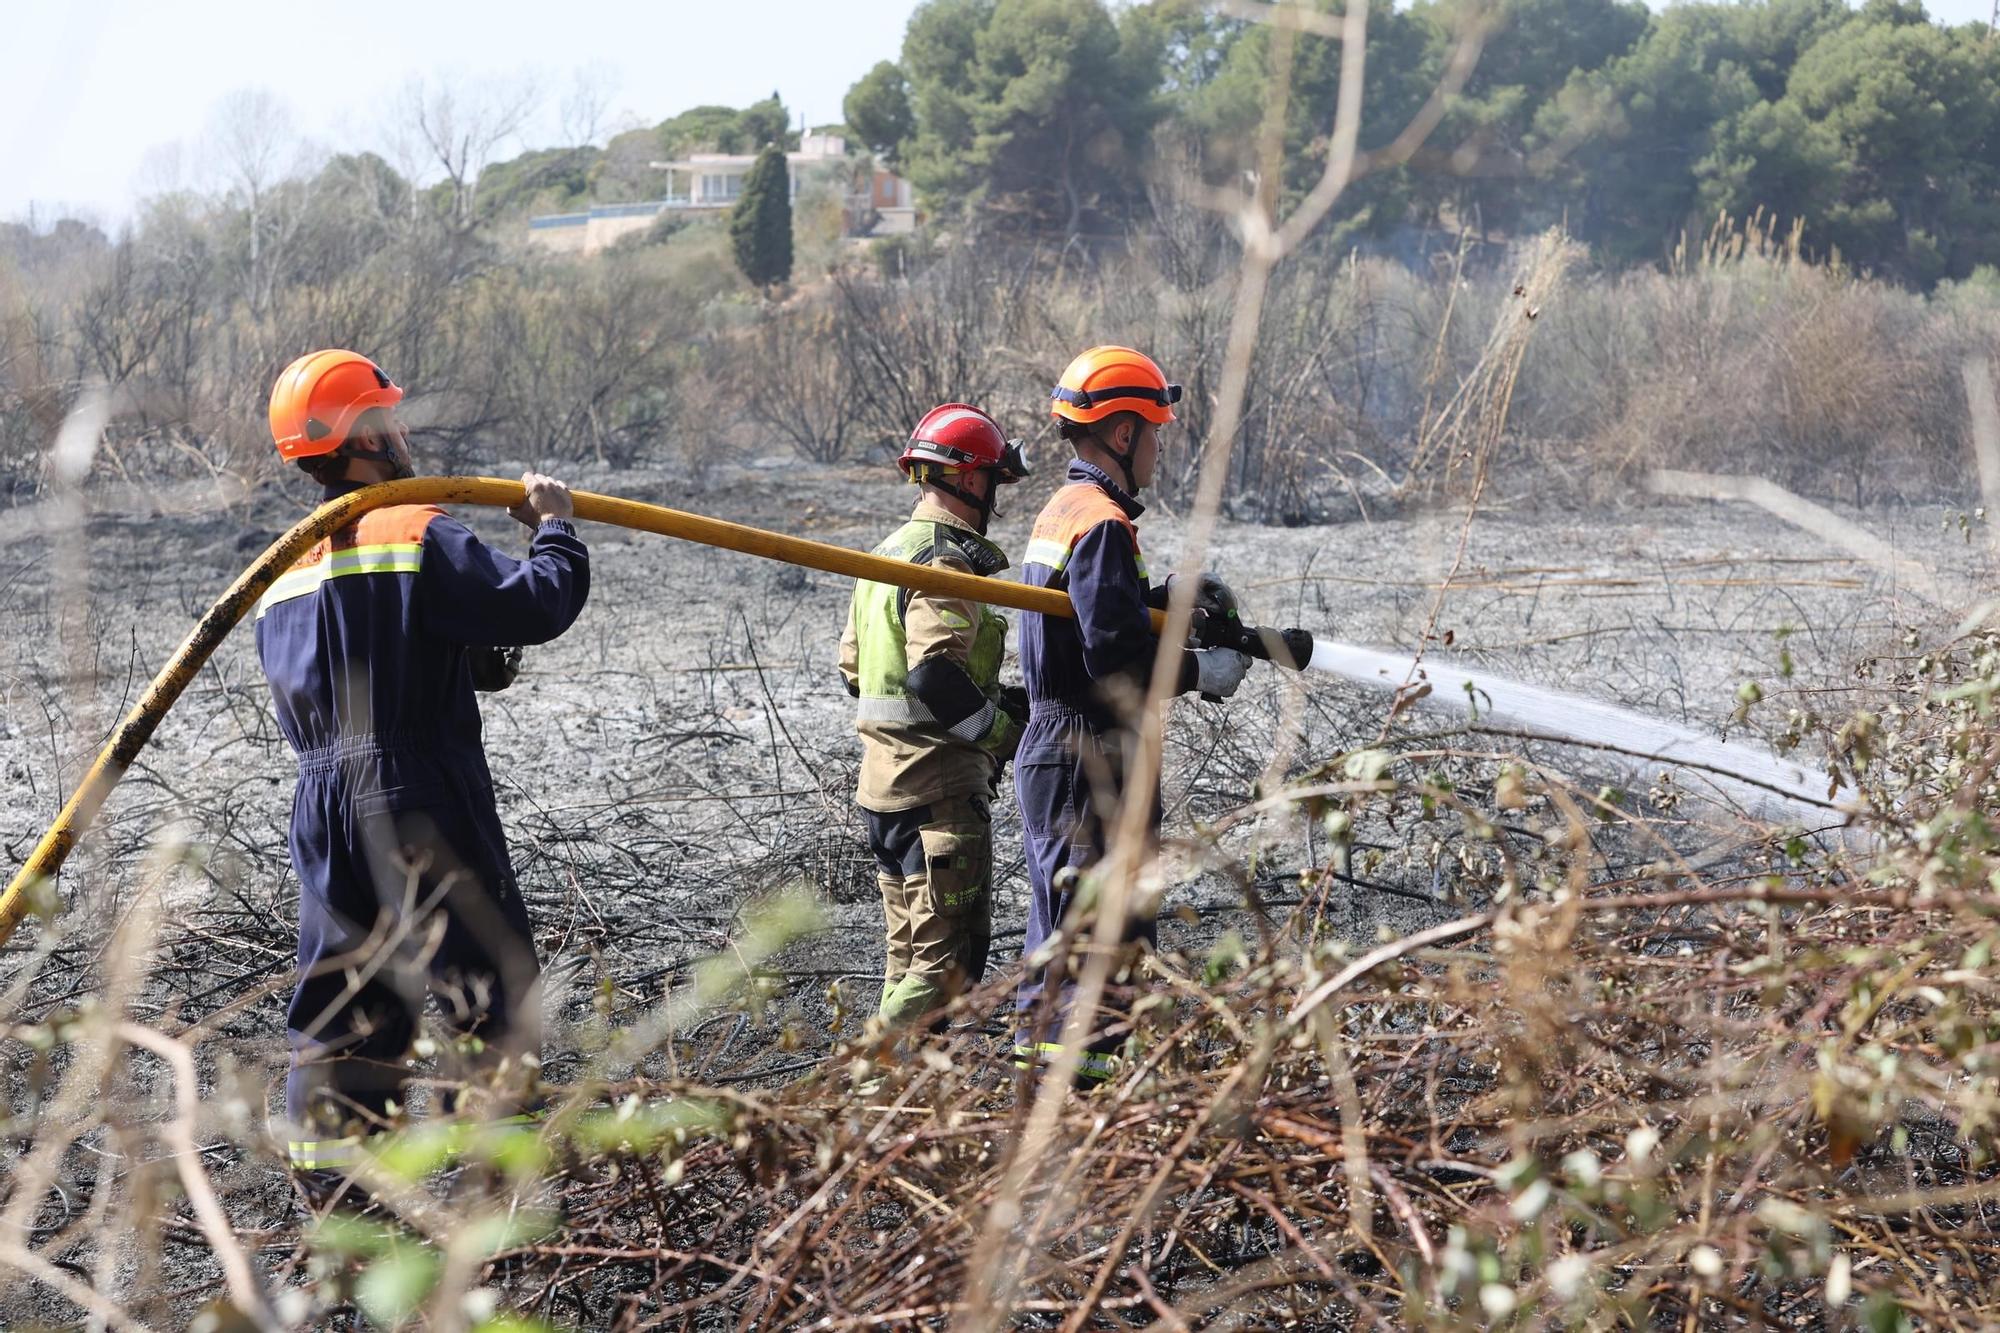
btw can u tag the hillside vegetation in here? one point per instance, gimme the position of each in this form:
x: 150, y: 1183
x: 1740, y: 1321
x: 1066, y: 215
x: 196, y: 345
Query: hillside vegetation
x: 1786, y: 211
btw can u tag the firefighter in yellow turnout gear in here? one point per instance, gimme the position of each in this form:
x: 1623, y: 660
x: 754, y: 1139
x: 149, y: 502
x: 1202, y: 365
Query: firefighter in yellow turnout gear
x: 935, y: 723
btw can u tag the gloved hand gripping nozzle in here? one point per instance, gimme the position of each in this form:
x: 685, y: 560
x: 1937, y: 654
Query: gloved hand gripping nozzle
x: 1289, y: 648
x: 1217, y: 639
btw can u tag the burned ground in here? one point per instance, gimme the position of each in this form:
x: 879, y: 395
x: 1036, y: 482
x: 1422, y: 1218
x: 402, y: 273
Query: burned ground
x: 686, y: 751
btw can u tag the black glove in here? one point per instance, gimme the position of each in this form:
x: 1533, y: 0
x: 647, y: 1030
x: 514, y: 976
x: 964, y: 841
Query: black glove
x: 1014, y: 702
x: 1005, y: 737
x: 1212, y: 595
x: 493, y: 669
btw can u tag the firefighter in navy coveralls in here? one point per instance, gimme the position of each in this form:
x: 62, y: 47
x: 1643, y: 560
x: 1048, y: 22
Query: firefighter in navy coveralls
x: 935, y: 722
x: 1087, y: 676
x: 373, y: 643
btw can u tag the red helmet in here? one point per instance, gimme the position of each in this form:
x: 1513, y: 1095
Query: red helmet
x: 318, y: 398
x: 1105, y: 380
x: 958, y: 437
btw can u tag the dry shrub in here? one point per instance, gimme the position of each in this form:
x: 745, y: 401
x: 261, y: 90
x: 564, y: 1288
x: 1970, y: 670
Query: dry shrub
x: 585, y: 364
x: 941, y: 335
x: 1457, y: 442
x: 1636, y: 1089
x: 800, y: 396
x: 1751, y: 358
x: 1742, y: 355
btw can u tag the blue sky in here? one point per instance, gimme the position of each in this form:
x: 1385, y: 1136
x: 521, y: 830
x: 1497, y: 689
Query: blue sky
x: 95, y: 93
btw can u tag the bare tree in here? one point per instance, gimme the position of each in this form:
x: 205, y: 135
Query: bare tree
x: 906, y: 346
x: 578, y: 362
x: 163, y: 170
x: 254, y: 143
x: 458, y: 126
x: 805, y: 398
x: 585, y: 112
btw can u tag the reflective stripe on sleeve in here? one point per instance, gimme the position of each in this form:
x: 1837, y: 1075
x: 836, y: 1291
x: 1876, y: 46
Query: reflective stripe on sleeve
x: 974, y: 728
x: 876, y: 708
x: 1051, y: 554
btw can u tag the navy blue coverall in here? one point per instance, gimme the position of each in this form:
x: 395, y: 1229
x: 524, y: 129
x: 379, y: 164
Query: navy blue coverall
x: 367, y: 643
x: 1084, y: 676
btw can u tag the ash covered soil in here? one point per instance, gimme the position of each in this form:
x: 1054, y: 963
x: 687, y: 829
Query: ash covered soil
x: 687, y: 747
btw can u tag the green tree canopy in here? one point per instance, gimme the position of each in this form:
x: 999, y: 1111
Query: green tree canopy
x: 761, y: 123
x: 546, y: 179
x: 1490, y: 165
x: 1224, y: 111
x: 1914, y: 109
x: 877, y: 109
x: 1638, y: 127
x: 760, y: 225
x: 1035, y: 110
x: 723, y: 129
x: 1874, y: 128
x: 1772, y: 157
x: 623, y: 171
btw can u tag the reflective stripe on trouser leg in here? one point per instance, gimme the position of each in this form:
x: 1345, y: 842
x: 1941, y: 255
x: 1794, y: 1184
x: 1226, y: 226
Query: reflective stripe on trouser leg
x: 1093, y: 1065
x: 341, y: 1154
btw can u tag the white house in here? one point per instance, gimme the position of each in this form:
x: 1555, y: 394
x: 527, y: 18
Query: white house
x: 712, y: 182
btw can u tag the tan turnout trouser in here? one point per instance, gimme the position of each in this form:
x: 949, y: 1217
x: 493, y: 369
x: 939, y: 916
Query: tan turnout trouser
x: 935, y: 868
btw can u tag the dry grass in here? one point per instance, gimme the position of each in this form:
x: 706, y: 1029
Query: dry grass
x: 1841, y: 387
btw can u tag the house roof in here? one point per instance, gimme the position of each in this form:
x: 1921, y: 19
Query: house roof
x: 744, y: 160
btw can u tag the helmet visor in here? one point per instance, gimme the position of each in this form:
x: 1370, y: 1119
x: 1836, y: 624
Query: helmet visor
x: 1013, y: 463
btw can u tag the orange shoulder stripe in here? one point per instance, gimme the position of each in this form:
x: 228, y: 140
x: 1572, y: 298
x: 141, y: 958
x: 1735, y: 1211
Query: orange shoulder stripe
x: 1075, y: 509
x: 1072, y: 511
x: 397, y: 524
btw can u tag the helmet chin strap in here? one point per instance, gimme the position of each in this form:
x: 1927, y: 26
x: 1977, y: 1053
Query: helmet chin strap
x: 983, y: 507
x: 399, y: 468
x: 1124, y: 462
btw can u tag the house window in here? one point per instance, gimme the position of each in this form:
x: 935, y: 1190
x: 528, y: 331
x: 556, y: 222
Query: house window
x: 720, y: 187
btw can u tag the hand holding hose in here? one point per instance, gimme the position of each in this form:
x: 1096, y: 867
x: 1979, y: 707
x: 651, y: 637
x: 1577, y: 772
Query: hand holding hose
x: 546, y: 498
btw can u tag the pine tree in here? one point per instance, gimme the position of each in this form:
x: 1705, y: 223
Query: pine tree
x: 760, y: 226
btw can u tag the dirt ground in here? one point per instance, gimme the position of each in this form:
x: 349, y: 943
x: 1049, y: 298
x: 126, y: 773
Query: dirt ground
x: 688, y: 747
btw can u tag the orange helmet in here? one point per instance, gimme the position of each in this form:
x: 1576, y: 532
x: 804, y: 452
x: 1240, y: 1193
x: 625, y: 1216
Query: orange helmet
x: 1104, y: 380
x: 316, y: 400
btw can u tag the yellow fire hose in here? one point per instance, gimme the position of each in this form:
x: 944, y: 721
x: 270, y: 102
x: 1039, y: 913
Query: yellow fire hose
x: 139, y: 724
